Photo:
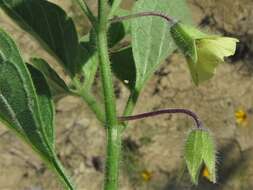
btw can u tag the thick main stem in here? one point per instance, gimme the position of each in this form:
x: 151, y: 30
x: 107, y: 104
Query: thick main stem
x: 113, y: 131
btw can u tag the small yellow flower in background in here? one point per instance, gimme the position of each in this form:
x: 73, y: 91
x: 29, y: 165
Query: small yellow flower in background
x: 146, y: 175
x: 203, y: 52
x: 241, y: 117
x: 206, y: 173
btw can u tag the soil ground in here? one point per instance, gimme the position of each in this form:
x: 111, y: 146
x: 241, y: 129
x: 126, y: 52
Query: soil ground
x: 152, y: 147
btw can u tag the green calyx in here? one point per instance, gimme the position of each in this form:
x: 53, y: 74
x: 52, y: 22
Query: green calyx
x: 199, y: 150
x: 184, y: 37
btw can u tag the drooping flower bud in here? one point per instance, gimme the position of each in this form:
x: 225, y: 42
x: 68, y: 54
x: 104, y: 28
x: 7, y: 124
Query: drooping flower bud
x: 199, y: 150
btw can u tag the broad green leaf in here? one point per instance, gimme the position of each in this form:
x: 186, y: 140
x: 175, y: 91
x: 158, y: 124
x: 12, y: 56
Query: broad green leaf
x: 45, y: 102
x: 57, y: 86
x: 199, y: 149
x: 50, y: 24
x: 123, y: 66
x: 119, y: 30
x: 151, y: 38
x: 122, y: 58
x: 116, y: 33
x: 19, y: 104
x: 26, y: 105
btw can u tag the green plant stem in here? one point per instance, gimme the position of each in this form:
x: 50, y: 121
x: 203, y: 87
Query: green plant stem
x: 113, y: 129
x: 115, y: 6
x: 131, y: 102
x: 84, y: 92
x: 190, y: 113
x: 130, y: 105
x: 144, y: 14
x: 85, y: 8
x: 104, y: 63
x: 93, y: 104
x: 113, y: 158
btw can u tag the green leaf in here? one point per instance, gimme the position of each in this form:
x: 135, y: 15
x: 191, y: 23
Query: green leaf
x: 19, y: 104
x: 45, y: 102
x: 50, y: 24
x: 123, y: 66
x: 119, y: 30
x: 57, y: 85
x: 151, y: 38
x: 26, y: 105
x: 122, y: 58
x: 199, y: 149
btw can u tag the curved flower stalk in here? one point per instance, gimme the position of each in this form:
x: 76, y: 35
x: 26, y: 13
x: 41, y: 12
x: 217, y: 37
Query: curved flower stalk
x: 203, y: 52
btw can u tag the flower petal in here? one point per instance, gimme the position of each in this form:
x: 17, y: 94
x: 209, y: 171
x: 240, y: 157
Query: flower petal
x: 219, y: 46
x: 204, y: 68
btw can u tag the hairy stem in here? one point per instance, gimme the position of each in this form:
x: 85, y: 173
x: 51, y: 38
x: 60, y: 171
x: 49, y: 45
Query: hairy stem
x: 83, y: 91
x: 131, y: 102
x: 165, y: 111
x: 113, y: 130
x: 93, y: 105
x: 143, y: 14
x: 104, y: 63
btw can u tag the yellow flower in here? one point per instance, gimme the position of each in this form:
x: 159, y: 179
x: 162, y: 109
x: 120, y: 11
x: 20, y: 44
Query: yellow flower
x: 241, y: 117
x: 203, y: 52
x: 146, y: 175
x: 206, y: 173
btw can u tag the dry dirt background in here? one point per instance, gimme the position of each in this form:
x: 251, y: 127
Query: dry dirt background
x: 153, y: 145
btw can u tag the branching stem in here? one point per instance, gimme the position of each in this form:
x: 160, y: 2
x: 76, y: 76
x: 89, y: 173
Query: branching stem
x: 143, y: 14
x: 165, y: 111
